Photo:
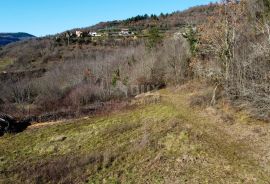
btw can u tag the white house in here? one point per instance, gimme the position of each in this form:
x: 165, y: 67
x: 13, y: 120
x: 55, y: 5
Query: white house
x: 125, y: 32
x: 79, y: 33
x: 94, y: 34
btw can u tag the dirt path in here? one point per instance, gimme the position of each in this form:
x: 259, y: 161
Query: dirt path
x: 244, y: 143
x: 45, y: 124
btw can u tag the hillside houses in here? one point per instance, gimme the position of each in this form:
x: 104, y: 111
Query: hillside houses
x: 122, y: 32
x: 94, y: 34
x: 101, y: 33
x: 79, y: 34
x: 125, y: 32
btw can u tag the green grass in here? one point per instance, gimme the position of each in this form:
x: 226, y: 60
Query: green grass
x: 5, y: 63
x: 158, y: 143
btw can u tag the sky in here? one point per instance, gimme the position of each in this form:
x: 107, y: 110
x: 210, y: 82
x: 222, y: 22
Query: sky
x: 45, y: 17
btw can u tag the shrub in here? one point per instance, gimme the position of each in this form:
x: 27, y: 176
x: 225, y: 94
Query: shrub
x: 154, y: 37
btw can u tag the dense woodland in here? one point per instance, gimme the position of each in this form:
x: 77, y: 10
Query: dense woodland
x: 226, y: 44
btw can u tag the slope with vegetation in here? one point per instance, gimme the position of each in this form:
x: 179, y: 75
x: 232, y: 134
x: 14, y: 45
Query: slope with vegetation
x: 85, y: 72
x: 226, y: 44
x: 165, y: 138
x: 207, y: 126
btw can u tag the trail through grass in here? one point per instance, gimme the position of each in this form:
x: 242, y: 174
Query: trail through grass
x: 166, y: 142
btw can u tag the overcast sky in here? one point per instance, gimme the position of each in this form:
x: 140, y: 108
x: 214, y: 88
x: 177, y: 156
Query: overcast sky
x: 43, y: 17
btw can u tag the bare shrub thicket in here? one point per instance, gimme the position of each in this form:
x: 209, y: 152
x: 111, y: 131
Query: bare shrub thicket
x: 238, y: 40
x: 176, y: 60
x: 168, y: 64
x: 87, y: 76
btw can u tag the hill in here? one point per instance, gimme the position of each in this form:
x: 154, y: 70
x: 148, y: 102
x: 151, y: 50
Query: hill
x: 159, y: 51
x: 169, y: 21
x: 7, y: 38
x: 49, y: 49
x: 182, y: 98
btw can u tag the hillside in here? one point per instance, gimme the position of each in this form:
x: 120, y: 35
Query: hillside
x: 170, y: 21
x: 171, y: 98
x: 160, y: 140
x: 85, y: 57
x: 154, y: 52
x: 54, y: 47
x: 7, y: 38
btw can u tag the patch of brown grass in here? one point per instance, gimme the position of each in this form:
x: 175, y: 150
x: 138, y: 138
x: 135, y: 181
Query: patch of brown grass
x: 64, y: 169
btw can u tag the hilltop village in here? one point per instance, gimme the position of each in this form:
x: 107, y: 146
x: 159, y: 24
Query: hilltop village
x: 111, y: 34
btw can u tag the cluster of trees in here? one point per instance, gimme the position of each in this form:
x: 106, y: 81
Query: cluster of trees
x: 145, y: 17
x: 237, y: 43
x: 137, y: 18
x: 90, y: 77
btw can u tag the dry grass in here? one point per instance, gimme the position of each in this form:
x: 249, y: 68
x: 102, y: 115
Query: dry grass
x: 165, y: 142
x: 5, y: 63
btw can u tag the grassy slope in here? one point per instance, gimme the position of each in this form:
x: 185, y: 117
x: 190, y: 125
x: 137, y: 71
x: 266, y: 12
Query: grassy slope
x: 166, y: 142
x: 5, y: 63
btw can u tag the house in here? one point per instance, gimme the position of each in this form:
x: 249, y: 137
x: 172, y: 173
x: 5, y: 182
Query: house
x: 94, y: 34
x: 79, y: 33
x: 125, y: 32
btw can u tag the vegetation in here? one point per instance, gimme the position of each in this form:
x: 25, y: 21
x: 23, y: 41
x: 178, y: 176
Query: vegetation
x: 154, y: 37
x: 89, y: 77
x: 169, y: 139
x: 206, y: 126
x: 192, y: 38
x: 239, y: 43
x: 217, y: 52
x: 137, y: 18
x: 5, y: 63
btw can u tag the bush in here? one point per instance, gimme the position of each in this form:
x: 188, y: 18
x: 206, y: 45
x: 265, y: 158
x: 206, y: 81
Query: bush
x: 237, y: 43
x: 154, y: 38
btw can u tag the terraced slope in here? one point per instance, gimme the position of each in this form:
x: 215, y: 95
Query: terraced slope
x: 163, y: 140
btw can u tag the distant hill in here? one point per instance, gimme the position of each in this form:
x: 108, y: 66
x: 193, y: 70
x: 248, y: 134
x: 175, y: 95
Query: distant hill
x: 192, y: 16
x: 6, y: 38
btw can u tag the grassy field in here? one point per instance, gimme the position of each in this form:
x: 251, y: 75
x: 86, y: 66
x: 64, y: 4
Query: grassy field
x: 163, y: 142
x: 5, y: 63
